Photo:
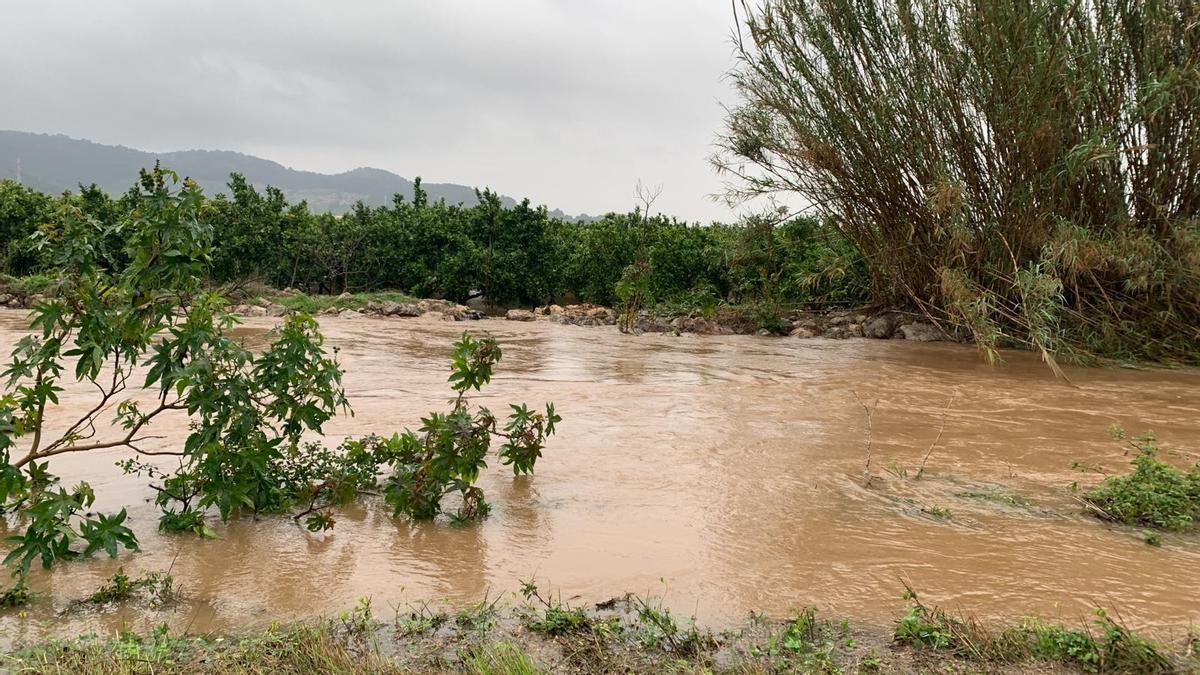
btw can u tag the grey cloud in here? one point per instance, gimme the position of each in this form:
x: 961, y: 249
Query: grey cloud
x: 568, y: 102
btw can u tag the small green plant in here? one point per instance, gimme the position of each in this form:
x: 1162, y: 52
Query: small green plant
x: 118, y: 588
x: 159, y: 589
x: 479, y: 617
x: 806, y: 644
x: 555, y: 618
x: 420, y: 619
x: 896, y: 470
x: 939, y: 512
x: 660, y: 628
x: 932, y: 628
x: 360, y: 620
x: 1155, y: 494
x: 560, y: 620
x: 17, y: 596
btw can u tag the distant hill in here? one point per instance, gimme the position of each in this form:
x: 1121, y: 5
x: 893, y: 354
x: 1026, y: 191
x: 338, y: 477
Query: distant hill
x: 54, y: 163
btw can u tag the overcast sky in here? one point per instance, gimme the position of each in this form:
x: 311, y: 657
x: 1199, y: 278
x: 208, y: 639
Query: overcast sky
x: 568, y: 102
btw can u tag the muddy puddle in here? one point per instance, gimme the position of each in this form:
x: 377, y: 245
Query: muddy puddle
x: 721, y: 473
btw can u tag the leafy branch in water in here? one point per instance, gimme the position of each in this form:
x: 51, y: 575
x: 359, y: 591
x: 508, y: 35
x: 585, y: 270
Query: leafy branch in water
x: 129, y: 294
x: 445, y: 455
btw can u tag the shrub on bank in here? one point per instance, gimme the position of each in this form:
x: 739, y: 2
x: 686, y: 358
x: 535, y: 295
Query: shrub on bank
x: 1026, y: 171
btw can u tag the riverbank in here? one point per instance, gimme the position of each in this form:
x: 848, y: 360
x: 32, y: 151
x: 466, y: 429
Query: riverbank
x: 627, y: 634
x: 717, y: 320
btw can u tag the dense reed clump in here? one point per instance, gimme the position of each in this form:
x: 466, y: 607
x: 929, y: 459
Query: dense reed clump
x: 1026, y: 173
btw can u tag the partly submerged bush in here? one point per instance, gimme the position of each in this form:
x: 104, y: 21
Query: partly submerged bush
x: 129, y: 294
x: 1156, y: 494
x: 449, y: 450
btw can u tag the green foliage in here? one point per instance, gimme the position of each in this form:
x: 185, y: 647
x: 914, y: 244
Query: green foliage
x: 129, y: 293
x: 421, y: 620
x: 660, y: 628
x: 1025, y: 171
x: 805, y: 644
x: 633, y: 292
x: 159, y: 587
x: 1155, y: 494
x: 500, y: 658
x: 512, y: 256
x: 22, y: 212
x: 17, y: 596
x: 1111, y: 648
x: 55, y: 525
x: 446, y: 454
x: 560, y: 620
x: 314, y: 304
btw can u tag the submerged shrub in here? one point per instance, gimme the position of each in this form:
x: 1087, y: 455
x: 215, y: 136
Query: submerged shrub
x: 1155, y: 494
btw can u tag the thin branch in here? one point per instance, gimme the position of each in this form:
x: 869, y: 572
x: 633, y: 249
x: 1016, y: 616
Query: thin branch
x: 870, y: 410
x: 945, y: 414
x: 127, y: 441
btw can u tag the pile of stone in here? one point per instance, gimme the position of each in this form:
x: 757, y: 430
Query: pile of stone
x: 881, y: 326
x: 263, y: 309
x: 574, y: 315
x: 449, y: 310
x: 14, y: 301
x: 836, y: 325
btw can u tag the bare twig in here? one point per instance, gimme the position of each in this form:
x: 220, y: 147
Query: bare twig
x: 870, y: 410
x: 64, y: 445
x: 945, y: 414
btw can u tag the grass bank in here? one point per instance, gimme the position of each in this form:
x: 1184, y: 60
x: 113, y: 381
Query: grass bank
x: 626, y: 634
x: 315, y: 304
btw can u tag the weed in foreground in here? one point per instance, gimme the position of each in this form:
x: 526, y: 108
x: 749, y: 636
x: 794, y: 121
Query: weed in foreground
x: 500, y: 658
x: 805, y: 644
x: 1110, y: 648
x: 555, y: 618
x: 658, y: 627
x: 420, y: 620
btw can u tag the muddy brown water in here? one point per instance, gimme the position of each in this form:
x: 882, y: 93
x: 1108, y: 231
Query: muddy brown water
x: 722, y: 474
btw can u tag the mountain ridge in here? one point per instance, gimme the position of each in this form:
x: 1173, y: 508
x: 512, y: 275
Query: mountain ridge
x: 56, y: 162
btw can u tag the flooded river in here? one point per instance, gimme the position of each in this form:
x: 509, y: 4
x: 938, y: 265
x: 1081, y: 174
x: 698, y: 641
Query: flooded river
x: 721, y: 473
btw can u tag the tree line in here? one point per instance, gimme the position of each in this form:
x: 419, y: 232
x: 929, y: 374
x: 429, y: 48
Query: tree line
x: 512, y: 256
